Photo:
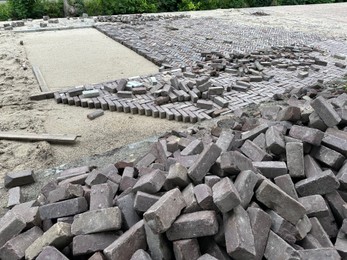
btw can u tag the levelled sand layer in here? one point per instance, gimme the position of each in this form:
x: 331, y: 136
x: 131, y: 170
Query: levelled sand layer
x: 81, y: 56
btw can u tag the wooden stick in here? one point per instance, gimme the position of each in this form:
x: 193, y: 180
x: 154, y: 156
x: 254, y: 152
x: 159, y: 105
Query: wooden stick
x: 51, y: 138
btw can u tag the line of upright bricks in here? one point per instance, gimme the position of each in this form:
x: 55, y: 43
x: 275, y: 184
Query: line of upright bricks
x: 277, y: 190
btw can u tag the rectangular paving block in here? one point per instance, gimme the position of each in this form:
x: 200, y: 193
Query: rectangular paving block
x: 245, y: 183
x: 204, y: 104
x: 11, y: 225
x: 63, y: 208
x: 312, y: 168
x: 328, y: 156
x: 190, y: 200
x: 306, y: 134
x: 101, y: 196
x: 337, y: 205
x: 126, y: 204
x: 143, y: 201
x: 225, y: 140
x: 90, y: 93
x: 239, y: 237
x: 50, y: 252
x: 260, y: 224
x: 321, y: 184
x: 94, y: 221
x: 193, y: 225
x: 64, y: 192
x: 59, y: 236
x: 274, y: 140
x: 177, y: 176
x: 319, y: 253
x: 128, y: 243
x: 271, y: 169
x: 254, y: 152
x: 318, y: 232
x: 206, y: 159
x: 203, y: 195
x: 14, y: 197
x: 186, y: 249
x: 315, y: 206
x: 251, y: 134
x: 326, y: 111
x: 20, y: 178
x: 225, y: 195
x: 163, y: 213
x: 158, y: 244
x: 95, y: 114
x: 285, y: 183
x: 295, y: 159
x: 274, y: 198
x: 336, y: 140
x: 194, y: 147
x: 15, y: 247
x: 150, y: 182
x: 86, y: 244
x: 277, y: 248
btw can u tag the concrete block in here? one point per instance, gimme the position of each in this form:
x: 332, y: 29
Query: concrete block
x: 274, y: 198
x: 140, y: 255
x: 227, y: 164
x: 206, y: 159
x: 63, y: 208
x: 318, y: 232
x: 251, y: 134
x: 245, y: 183
x: 254, y: 152
x: 11, y: 225
x: 326, y: 111
x: 306, y: 134
x: 321, y: 184
x: 315, y: 206
x: 95, y: 114
x: 289, y: 113
x: 86, y: 244
x: 271, y: 169
x: 225, y: 140
x: 337, y: 205
x: 13, y: 179
x: 51, y: 253
x: 94, y: 221
x: 336, y: 140
x: 295, y: 159
x: 151, y: 182
x: 158, y: 245
x: 194, y: 147
x: 319, y: 254
x: 260, y: 224
x: 211, y: 180
x: 329, y: 224
x: 193, y: 225
x: 203, y: 195
x: 304, y: 227
x: 178, y: 176
x: 126, y: 204
x: 96, y: 177
x: 163, y: 213
x: 143, y: 201
x: 274, y: 140
x: 14, y: 249
x: 225, y: 195
x: 204, y: 104
x: 285, y: 183
x: 14, y: 197
x: 312, y: 168
x: 239, y: 237
x: 101, y: 196
x: 128, y: 179
x: 190, y: 200
x: 283, y: 228
x: 328, y: 156
x: 277, y: 248
x: 186, y: 249
x: 128, y: 243
x: 316, y: 122
x: 65, y: 192
x: 59, y: 236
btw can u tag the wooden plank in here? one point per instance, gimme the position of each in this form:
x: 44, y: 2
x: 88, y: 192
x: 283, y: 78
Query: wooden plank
x: 51, y: 138
x: 40, y: 79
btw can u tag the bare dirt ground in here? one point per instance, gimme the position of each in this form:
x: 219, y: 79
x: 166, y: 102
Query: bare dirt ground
x: 18, y: 113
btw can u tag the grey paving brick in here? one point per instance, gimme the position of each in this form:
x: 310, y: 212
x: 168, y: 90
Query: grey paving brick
x: 325, y: 111
x: 245, y: 183
x: 186, y: 249
x: 306, y: 134
x: 20, y: 178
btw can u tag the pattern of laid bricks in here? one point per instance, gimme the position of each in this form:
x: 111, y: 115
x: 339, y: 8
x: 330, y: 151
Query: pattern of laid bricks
x: 245, y: 61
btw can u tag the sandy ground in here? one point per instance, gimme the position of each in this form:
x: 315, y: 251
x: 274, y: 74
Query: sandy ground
x: 81, y: 56
x: 112, y: 130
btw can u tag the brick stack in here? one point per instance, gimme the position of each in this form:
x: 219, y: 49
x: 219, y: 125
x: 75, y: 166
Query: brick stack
x: 274, y: 187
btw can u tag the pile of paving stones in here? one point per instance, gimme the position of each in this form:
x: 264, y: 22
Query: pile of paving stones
x: 216, y: 85
x: 137, y: 19
x: 273, y: 186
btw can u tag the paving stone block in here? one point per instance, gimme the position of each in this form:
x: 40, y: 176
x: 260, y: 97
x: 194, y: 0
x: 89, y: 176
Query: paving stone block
x: 211, y: 180
x: 14, y: 197
x: 203, y: 195
x: 316, y: 122
x: 225, y: 195
x: 319, y: 254
x: 274, y: 140
x: 206, y: 159
x: 204, y: 104
x: 95, y: 177
x: 178, y: 176
x: 312, y: 168
x: 193, y: 225
x: 50, y: 252
x: 140, y: 255
x: 186, y: 249
x: 101, y: 196
x: 64, y: 192
x: 94, y: 221
x: 147, y: 160
x: 271, y: 169
x: 245, y: 183
x: 277, y: 248
x: 283, y: 228
x: 13, y: 179
x: 318, y: 232
x: 251, y: 134
x: 321, y: 184
x: 126, y: 204
x: 326, y: 111
x: 337, y: 205
x: 329, y: 224
x: 274, y: 198
x: 128, y: 243
x: 260, y: 224
x: 143, y: 201
x: 86, y: 244
x: 225, y: 140
x: 328, y: 156
x: 285, y: 183
x: 95, y: 114
x: 11, y: 225
x: 336, y: 140
x: 295, y: 159
x: 194, y: 147
x: 151, y: 182
x: 63, y: 208
x: 163, y: 213
x: 59, y: 236
x: 239, y: 237
x: 289, y: 113
x: 14, y: 249
x: 127, y: 180
x: 315, y: 206
x: 158, y: 245
x: 306, y: 134
x: 190, y: 200
x: 254, y: 152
